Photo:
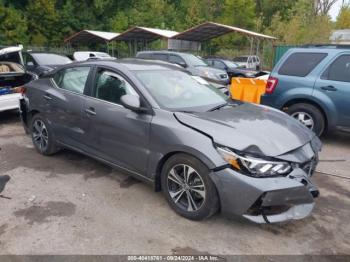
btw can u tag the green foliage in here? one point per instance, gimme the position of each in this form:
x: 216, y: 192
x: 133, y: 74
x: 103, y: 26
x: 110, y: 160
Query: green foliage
x: 49, y: 22
x: 13, y: 26
x: 301, y: 25
x: 343, y: 19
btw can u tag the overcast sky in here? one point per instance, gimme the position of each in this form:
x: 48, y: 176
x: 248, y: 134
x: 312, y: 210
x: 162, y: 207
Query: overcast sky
x: 335, y: 9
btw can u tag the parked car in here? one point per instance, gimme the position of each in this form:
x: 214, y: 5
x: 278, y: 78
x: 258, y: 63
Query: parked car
x: 248, y: 61
x: 42, y: 62
x: 12, y: 77
x: 231, y: 68
x: 192, y: 63
x: 158, y: 123
x: 85, y: 55
x: 312, y: 85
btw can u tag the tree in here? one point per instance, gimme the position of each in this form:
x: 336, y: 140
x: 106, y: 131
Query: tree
x: 266, y: 9
x: 13, y: 27
x: 303, y: 26
x: 322, y: 7
x: 42, y: 22
x: 343, y: 19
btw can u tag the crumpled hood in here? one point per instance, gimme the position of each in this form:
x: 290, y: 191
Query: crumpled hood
x: 250, y: 128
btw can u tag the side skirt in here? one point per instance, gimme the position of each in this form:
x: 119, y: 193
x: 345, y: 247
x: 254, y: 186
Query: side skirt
x: 122, y: 169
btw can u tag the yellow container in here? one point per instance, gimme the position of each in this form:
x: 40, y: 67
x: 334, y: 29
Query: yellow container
x: 247, y: 89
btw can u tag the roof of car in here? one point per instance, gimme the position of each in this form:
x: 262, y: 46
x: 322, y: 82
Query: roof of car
x: 163, y: 52
x: 43, y: 52
x: 134, y: 64
x: 321, y: 48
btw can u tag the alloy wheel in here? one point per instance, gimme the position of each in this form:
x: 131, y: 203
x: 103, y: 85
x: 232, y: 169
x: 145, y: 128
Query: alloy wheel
x: 40, y: 135
x: 305, y: 119
x: 186, y: 187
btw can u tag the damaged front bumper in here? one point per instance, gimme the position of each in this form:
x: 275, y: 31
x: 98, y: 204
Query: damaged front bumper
x: 266, y: 200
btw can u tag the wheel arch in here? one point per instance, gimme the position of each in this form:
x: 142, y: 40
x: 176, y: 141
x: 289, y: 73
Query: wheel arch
x: 307, y: 101
x: 164, y: 159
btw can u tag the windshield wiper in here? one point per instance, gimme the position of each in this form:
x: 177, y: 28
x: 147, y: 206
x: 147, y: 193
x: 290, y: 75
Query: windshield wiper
x: 218, y: 107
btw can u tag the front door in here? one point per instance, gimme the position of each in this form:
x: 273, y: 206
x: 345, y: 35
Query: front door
x: 112, y: 132
x: 335, y: 84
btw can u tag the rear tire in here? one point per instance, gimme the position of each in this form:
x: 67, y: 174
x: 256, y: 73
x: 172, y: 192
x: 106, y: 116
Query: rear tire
x: 309, y: 115
x: 42, y: 135
x: 188, y: 188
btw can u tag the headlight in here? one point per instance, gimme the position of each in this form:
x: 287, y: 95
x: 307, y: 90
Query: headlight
x: 254, y: 166
x: 209, y: 74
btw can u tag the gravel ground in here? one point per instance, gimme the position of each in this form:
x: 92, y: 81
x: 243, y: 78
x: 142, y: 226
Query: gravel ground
x: 71, y: 204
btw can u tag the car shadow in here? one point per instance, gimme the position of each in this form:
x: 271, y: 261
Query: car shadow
x: 9, y: 117
x: 341, y: 138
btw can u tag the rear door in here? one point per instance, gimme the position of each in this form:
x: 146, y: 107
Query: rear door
x: 112, y: 132
x: 64, y: 103
x: 334, y: 83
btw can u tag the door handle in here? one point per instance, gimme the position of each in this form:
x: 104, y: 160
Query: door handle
x: 90, y: 111
x: 329, y: 88
x: 47, y: 97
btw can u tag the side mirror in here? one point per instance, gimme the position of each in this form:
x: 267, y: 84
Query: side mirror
x: 132, y: 102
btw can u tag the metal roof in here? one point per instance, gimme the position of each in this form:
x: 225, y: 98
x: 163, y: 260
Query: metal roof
x: 145, y: 33
x: 209, y: 30
x: 91, y: 36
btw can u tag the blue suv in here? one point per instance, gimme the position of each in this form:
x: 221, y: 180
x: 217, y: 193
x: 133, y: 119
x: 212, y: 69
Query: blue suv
x: 312, y: 84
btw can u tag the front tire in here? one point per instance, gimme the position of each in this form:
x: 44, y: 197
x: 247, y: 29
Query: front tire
x: 309, y: 115
x: 188, y: 188
x: 42, y: 136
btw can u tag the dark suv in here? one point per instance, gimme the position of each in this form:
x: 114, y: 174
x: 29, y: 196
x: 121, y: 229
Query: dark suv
x: 190, y: 62
x: 312, y: 84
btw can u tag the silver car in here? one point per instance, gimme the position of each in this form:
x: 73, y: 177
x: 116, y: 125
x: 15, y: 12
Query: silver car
x: 175, y: 131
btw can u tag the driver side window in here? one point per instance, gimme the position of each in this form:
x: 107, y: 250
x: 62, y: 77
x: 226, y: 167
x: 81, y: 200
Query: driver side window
x: 110, y: 86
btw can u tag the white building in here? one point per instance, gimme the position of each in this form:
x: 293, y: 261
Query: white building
x: 341, y: 37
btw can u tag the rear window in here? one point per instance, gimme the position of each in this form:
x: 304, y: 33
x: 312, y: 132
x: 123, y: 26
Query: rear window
x: 163, y: 57
x: 301, y: 64
x: 240, y: 59
x: 144, y: 55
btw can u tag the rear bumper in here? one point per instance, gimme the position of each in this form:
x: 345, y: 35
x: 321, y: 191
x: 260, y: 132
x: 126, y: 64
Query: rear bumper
x: 9, y: 101
x: 265, y: 200
x: 270, y: 100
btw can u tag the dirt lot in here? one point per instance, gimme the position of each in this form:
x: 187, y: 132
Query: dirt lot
x: 71, y: 204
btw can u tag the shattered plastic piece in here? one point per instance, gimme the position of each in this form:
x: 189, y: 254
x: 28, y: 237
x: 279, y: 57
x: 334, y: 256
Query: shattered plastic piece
x: 32, y: 198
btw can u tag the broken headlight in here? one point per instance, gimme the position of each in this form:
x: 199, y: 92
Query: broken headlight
x: 256, y: 167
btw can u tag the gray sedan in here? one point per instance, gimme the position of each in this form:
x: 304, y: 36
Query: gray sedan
x: 175, y: 131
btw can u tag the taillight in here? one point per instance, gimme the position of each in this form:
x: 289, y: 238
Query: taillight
x: 271, y: 85
x: 20, y: 89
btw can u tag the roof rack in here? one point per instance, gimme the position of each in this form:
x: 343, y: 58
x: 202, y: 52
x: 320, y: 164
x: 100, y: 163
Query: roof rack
x: 340, y: 46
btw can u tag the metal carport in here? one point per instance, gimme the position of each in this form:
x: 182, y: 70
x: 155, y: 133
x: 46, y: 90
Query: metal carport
x: 143, y: 35
x: 91, y: 36
x: 210, y: 30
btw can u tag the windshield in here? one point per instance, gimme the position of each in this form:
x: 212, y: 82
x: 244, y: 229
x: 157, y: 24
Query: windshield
x: 178, y: 91
x: 50, y: 59
x: 240, y: 59
x: 192, y: 60
x: 230, y: 64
